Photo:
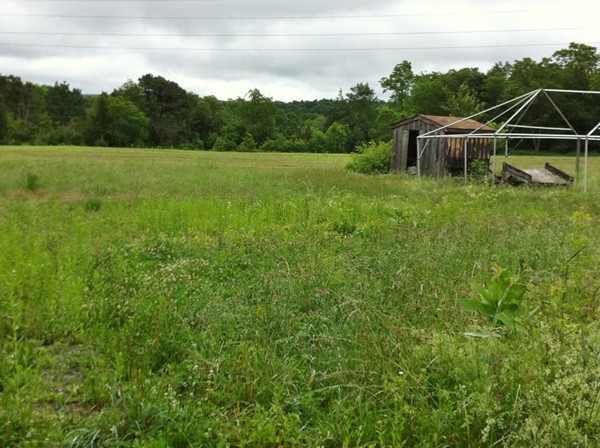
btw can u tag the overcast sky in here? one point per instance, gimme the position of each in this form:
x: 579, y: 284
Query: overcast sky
x: 289, y: 50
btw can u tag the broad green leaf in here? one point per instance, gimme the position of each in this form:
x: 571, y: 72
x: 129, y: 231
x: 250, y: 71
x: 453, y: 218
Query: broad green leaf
x: 473, y: 306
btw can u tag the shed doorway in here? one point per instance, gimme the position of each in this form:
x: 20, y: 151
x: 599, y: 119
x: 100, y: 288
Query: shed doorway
x: 411, y: 153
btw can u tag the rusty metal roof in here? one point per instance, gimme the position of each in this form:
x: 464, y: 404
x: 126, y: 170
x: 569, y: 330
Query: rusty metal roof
x: 466, y: 125
x: 469, y: 124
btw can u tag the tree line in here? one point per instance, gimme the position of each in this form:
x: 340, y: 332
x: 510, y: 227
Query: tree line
x: 157, y: 112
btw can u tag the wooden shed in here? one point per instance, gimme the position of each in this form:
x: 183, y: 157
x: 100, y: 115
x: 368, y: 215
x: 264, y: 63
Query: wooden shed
x: 443, y: 155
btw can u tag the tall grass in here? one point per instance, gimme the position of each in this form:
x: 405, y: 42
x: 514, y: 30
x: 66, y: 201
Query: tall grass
x: 197, y: 299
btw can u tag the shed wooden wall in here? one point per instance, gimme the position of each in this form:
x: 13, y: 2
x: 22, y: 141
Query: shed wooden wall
x: 430, y: 158
x: 442, y: 155
x: 477, y: 148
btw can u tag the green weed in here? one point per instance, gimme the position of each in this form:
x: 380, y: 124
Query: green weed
x: 32, y: 181
x: 499, y: 300
x: 92, y: 204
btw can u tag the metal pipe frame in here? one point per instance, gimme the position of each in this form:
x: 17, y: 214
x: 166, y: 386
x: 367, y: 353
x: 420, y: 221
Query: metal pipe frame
x: 592, y: 92
x: 522, y: 97
x: 538, y: 127
x: 585, y: 166
x: 560, y: 112
x: 524, y: 106
x: 523, y: 103
x: 466, y: 166
x: 522, y: 136
x: 494, y: 162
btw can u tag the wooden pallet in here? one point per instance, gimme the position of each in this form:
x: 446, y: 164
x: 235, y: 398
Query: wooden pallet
x: 549, y: 175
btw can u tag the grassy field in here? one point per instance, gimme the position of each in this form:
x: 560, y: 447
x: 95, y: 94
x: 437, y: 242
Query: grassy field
x: 170, y: 298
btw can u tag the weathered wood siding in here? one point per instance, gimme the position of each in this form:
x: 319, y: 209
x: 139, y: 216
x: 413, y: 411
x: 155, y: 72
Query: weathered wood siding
x: 399, y: 149
x: 433, y: 159
x: 442, y: 156
x: 477, y: 149
x: 401, y: 140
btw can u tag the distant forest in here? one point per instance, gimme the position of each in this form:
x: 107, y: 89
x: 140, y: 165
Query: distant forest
x: 156, y: 112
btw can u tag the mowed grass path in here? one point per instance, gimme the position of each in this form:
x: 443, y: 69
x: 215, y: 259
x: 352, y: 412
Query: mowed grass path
x: 172, y: 298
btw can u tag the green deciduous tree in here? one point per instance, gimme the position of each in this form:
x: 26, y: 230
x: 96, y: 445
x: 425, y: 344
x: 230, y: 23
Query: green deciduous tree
x: 578, y: 63
x: 337, y: 138
x: 131, y: 91
x: 127, y: 125
x: 25, y: 101
x: 26, y: 117
x: 470, y: 77
x: 166, y: 104
x: 3, y: 121
x: 357, y: 110
x: 64, y: 104
x: 528, y: 75
x: 496, y: 83
x: 463, y: 103
x: 399, y: 83
x: 260, y: 116
x: 256, y: 115
x: 98, y: 122
x: 116, y: 121
x: 206, y: 121
x: 428, y: 96
x: 386, y: 116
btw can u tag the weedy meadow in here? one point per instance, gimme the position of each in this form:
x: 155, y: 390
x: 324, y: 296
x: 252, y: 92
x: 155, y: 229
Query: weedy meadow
x: 173, y: 298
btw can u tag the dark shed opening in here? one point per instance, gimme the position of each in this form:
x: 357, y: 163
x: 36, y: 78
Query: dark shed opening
x: 411, y: 157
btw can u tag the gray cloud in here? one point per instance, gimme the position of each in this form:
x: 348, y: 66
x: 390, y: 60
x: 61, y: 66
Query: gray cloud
x: 163, y: 39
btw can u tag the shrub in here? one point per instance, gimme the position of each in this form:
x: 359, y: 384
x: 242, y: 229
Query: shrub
x: 248, y: 144
x: 281, y: 144
x: 225, y: 143
x: 478, y: 169
x: 61, y: 135
x: 371, y: 158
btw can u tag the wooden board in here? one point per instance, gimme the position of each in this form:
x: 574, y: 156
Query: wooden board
x: 549, y: 175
